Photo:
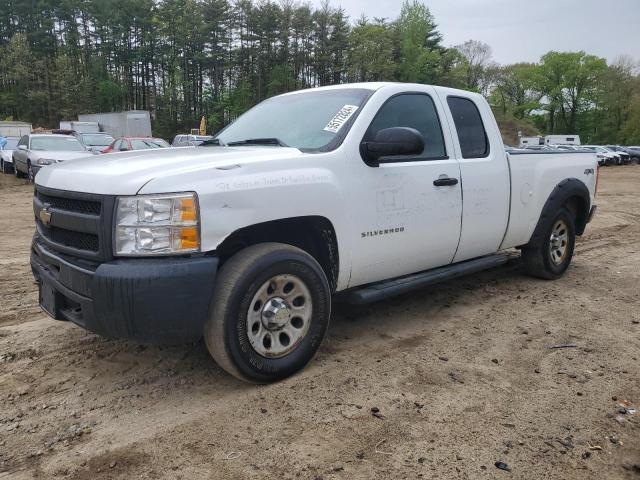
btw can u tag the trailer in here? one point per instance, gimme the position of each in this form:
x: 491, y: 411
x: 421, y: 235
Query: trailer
x: 80, y: 127
x: 132, y: 123
x: 528, y: 141
x: 562, y: 140
x: 14, y: 129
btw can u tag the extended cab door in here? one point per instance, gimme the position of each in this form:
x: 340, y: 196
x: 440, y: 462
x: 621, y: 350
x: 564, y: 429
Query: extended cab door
x: 485, y: 178
x: 402, y: 221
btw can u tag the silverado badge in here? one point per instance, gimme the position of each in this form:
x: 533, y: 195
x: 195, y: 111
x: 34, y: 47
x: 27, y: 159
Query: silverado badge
x: 45, y: 215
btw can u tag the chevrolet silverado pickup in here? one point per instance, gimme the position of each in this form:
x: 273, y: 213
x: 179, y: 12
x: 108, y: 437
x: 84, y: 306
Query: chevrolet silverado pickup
x: 358, y: 191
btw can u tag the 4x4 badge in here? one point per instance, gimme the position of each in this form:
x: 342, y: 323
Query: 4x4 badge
x: 45, y: 216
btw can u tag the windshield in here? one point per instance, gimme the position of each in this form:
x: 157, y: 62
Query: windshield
x: 146, y: 143
x: 56, y: 144
x: 307, y: 120
x: 97, y: 140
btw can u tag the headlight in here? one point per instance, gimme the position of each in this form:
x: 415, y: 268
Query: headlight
x: 45, y: 161
x: 157, y: 225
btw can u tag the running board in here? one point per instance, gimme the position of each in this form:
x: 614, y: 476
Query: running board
x: 389, y: 288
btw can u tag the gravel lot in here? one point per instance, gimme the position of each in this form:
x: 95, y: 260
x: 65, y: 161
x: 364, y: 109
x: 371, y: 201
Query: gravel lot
x: 442, y: 383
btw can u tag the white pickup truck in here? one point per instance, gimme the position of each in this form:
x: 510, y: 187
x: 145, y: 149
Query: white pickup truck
x: 360, y: 191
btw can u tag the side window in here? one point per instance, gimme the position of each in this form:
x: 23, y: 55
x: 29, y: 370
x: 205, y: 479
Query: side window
x: 24, y: 140
x: 414, y: 110
x: 471, y: 133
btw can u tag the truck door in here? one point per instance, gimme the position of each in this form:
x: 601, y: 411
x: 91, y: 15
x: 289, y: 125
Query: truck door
x: 407, y: 211
x: 484, y: 175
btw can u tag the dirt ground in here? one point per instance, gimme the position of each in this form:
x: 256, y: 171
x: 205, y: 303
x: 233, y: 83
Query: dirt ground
x: 459, y: 376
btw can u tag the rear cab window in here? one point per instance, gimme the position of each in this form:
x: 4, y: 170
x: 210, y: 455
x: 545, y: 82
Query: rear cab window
x: 472, y: 135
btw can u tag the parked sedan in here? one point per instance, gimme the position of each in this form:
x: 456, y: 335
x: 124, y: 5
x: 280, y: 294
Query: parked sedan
x: 6, y: 154
x: 634, y: 154
x: 126, y: 144
x: 96, y: 142
x: 624, y: 157
x: 605, y: 157
x: 189, y: 140
x: 35, y: 151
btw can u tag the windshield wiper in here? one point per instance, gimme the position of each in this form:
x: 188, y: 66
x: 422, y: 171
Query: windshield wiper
x: 259, y: 141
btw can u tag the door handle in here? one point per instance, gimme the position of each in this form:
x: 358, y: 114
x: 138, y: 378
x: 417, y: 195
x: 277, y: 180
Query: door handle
x: 445, y: 182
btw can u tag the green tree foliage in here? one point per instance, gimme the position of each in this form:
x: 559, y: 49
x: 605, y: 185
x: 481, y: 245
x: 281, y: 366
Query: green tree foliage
x: 184, y: 59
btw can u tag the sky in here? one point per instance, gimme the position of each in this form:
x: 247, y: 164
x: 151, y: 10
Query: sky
x: 524, y: 30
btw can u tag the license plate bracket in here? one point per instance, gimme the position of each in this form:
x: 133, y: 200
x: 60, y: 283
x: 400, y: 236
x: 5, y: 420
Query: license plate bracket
x: 48, y: 299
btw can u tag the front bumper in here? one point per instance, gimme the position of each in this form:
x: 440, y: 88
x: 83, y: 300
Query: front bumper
x: 159, y: 300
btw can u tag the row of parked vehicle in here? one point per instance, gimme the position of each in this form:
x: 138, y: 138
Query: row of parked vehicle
x: 607, y: 155
x: 26, y: 155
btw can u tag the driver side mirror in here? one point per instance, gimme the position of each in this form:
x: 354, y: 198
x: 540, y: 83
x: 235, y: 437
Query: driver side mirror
x: 22, y: 147
x: 390, y: 142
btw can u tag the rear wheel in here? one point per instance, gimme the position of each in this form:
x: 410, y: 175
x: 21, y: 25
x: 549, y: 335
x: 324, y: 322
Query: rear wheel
x: 552, y: 257
x: 270, y: 311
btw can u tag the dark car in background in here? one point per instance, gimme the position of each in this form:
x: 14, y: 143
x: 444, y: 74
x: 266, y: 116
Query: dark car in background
x: 126, y: 144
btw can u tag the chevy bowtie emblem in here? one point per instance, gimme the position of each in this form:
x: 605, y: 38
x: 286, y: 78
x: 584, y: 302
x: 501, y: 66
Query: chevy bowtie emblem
x: 45, y: 215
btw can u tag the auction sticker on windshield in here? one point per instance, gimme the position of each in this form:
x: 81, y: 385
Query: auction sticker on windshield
x: 340, y: 118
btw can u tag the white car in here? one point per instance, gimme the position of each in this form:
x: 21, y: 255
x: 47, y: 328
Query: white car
x: 605, y: 156
x: 6, y: 154
x: 35, y: 151
x: 363, y: 191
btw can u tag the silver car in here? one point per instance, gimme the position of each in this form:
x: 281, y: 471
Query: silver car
x: 35, y: 151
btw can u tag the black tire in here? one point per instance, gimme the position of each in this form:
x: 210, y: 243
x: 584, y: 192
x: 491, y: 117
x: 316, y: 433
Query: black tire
x: 540, y: 261
x: 237, y: 283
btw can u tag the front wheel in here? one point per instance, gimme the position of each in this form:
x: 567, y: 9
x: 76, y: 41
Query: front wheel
x: 552, y: 257
x: 270, y: 311
x: 31, y: 175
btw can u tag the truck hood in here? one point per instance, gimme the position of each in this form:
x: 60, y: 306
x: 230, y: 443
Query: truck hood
x: 59, y: 156
x: 126, y: 173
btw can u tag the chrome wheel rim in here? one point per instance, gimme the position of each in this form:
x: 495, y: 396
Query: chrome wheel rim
x: 559, y: 241
x: 279, y: 316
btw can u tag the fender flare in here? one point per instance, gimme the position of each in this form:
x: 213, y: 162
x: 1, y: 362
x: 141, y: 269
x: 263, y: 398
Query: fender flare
x: 567, y: 189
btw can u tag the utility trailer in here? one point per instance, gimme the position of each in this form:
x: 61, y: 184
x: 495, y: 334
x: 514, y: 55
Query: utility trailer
x: 132, y: 123
x: 14, y: 129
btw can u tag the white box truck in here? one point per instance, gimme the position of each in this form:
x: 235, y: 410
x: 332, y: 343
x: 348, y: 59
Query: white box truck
x: 133, y: 123
x: 80, y: 127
